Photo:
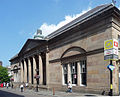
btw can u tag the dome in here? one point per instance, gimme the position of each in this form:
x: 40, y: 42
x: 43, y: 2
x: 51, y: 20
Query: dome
x: 38, y: 35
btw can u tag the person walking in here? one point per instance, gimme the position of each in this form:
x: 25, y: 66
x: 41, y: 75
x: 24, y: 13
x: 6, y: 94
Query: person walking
x: 26, y: 85
x: 69, y: 85
x: 7, y: 85
x: 12, y: 85
x: 4, y: 84
x: 21, y: 87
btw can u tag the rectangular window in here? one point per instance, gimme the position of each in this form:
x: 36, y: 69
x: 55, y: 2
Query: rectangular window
x: 74, y: 72
x: 83, y: 72
x: 65, y: 73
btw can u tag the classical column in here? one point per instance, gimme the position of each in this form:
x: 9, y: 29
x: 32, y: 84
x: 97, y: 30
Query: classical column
x: 21, y: 69
x: 69, y: 73
x: 40, y: 70
x: 19, y: 74
x: 78, y: 73
x: 25, y: 71
x: 47, y: 68
x: 34, y: 72
x: 29, y: 70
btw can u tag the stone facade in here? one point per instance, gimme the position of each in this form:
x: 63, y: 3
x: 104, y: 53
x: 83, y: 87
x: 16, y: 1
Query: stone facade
x: 73, y: 53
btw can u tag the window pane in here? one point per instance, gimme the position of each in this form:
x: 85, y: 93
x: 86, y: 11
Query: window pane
x: 83, y: 78
x: 65, y: 78
x: 65, y: 73
x: 74, y: 72
x: 83, y: 72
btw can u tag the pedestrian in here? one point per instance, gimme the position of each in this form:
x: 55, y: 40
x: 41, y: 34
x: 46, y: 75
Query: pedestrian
x: 69, y: 85
x: 21, y: 87
x: 26, y: 85
x: 4, y: 84
x: 7, y: 85
x: 12, y: 85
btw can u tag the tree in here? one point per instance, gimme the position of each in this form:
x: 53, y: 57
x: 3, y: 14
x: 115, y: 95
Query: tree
x: 4, y: 76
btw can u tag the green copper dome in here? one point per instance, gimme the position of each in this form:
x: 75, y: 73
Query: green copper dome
x: 38, y: 35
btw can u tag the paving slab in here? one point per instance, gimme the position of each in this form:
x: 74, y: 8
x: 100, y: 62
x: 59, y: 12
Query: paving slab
x: 48, y: 93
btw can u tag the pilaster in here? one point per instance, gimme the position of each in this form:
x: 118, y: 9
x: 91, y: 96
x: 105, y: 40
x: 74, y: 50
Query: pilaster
x: 47, y: 68
x: 115, y: 78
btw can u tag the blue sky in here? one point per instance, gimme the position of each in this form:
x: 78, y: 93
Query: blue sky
x: 19, y: 20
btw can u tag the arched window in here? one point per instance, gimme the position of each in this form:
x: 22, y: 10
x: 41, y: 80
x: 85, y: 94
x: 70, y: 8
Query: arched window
x: 74, y: 66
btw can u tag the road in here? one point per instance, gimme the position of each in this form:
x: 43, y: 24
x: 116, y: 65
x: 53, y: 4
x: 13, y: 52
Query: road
x: 4, y: 93
x: 8, y: 94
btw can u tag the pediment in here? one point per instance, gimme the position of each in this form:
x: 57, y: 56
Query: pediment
x: 30, y: 44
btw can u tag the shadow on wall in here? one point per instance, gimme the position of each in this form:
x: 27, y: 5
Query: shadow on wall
x: 8, y: 94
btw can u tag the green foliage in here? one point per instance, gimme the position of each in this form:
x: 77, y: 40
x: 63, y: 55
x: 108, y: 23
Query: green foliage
x: 4, y: 75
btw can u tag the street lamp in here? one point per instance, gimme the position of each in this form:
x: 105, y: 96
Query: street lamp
x: 37, y: 79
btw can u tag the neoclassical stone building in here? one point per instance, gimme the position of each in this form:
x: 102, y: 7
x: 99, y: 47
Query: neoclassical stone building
x: 75, y: 53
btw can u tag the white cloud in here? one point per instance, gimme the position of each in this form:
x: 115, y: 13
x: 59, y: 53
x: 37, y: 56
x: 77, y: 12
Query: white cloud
x: 47, y: 29
x: 119, y: 7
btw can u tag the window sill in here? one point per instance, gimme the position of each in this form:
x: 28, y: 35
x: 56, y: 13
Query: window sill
x: 83, y: 85
x: 72, y: 84
x: 75, y: 85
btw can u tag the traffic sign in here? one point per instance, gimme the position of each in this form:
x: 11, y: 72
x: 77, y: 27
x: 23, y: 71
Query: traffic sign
x: 109, y: 44
x: 111, y: 49
x: 111, y: 67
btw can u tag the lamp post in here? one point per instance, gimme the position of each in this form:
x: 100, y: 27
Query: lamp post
x: 11, y: 82
x: 37, y: 79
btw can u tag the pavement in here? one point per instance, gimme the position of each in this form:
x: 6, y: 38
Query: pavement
x: 45, y: 93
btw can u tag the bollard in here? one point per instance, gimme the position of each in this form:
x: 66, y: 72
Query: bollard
x: 53, y: 91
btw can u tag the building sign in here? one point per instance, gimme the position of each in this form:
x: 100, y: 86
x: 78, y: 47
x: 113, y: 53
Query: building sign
x: 111, y: 49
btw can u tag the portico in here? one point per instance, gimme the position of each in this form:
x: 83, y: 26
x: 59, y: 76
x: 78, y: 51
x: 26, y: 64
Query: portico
x: 31, y: 60
x: 28, y: 70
